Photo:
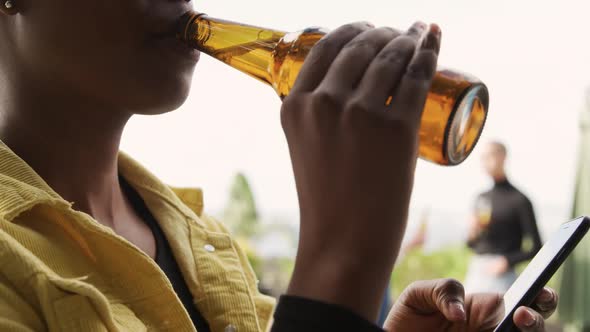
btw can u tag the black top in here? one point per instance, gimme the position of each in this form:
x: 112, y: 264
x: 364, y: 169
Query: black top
x: 512, y: 219
x: 293, y: 314
x: 165, y: 259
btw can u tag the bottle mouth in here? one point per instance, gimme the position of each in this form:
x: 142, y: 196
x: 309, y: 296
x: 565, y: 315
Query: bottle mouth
x: 466, y: 123
x: 186, y: 29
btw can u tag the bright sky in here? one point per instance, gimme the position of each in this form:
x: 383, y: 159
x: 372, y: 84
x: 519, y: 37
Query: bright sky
x: 534, y: 55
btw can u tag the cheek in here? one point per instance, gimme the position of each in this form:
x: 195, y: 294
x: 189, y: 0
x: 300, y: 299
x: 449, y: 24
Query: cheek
x: 69, y: 44
x: 91, y: 49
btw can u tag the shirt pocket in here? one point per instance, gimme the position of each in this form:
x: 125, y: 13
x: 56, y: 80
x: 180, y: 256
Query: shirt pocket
x: 126, y: 319
x: 76, y: 313
x: 81, y: 307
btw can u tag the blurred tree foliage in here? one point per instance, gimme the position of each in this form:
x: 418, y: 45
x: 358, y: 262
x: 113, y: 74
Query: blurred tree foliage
x: 240, y: 213
x: 448, y: 262
x: 241, y: 217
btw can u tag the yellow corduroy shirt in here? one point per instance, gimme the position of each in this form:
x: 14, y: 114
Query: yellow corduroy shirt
x: 61, y: 270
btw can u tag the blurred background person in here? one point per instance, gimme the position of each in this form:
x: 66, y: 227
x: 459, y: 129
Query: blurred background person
x: 502, y: 220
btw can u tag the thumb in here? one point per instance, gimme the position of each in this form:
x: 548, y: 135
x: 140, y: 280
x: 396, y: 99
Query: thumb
x: 446, y: 296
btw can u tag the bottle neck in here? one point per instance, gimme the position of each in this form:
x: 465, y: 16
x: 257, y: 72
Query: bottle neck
x: 244, y: 47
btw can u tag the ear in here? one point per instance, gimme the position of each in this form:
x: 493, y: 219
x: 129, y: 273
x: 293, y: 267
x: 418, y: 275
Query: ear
x: 8, y: 7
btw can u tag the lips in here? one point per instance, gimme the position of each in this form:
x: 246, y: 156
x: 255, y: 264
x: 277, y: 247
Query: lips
x: 162, y: 26
x: 174, y: 49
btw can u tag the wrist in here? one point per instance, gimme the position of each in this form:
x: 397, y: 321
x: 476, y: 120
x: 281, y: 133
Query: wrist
x: 349, y: 281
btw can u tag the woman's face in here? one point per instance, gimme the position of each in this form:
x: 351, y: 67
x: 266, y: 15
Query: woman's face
x: 117, y: 53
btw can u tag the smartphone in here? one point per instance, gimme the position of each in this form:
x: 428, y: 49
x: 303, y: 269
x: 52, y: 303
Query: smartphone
x: 532, y: 280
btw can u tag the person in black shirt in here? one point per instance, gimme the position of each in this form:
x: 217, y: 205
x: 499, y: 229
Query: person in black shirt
x: 503, y: 219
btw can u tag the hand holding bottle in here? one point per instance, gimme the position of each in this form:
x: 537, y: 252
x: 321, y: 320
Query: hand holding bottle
x: 354, y: 157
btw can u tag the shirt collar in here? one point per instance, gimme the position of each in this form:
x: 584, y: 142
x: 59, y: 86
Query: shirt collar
x: 504, y: 183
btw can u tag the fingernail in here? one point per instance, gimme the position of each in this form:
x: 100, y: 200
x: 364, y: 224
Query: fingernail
x: 369, y: 24
x: 545, y: 296
x: 430, y: 40
x: 458, y: 310
x: 435, y: 29
x: 530, y: 319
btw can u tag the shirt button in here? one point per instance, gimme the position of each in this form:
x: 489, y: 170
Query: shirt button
x: 209, y: 248
x: 230, y: 328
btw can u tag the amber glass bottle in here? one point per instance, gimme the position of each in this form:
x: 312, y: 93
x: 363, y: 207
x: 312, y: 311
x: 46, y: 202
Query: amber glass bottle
x: 455, y: 110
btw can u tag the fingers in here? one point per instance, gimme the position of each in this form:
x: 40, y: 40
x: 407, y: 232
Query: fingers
x: 546, y: 302
x: 349, y: 66
x: 385, y: 72
x: 528, y: 320
x: 322, y: 55
x: 445, y: 295
x: 450, y: 298
x: 413, y: 89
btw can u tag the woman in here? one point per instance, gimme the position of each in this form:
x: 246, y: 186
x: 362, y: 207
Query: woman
x: 91, y: 241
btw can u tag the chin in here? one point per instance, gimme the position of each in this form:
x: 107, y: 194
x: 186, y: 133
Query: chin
x: 163, y: 98
x: 161, y: 106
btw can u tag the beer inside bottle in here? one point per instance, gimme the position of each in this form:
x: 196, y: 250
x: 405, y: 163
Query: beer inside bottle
x: 454, y: 114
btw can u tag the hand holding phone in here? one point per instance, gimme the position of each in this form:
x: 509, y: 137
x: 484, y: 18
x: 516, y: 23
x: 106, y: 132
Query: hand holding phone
x: 441, y: 305
x: 541, y: 269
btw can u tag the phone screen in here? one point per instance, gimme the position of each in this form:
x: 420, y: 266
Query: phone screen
x: 554, y: 248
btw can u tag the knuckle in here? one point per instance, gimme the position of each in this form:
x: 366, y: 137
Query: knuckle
x: 393, y: 32
x: 323, y: 99
x: 450, y: 287
x: 362, y: 45
x: 333, y: 41
x: 347, y: 31
x: 353, y: 28
x: 290, y: 110
x: 357, y: 105
x: 400, y: 51
x: 324, y: 45
x: 394, y: 56
x: 416, y: 286
x: 371, y: 41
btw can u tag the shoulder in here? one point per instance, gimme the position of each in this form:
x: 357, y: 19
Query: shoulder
x: 521, y: 198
